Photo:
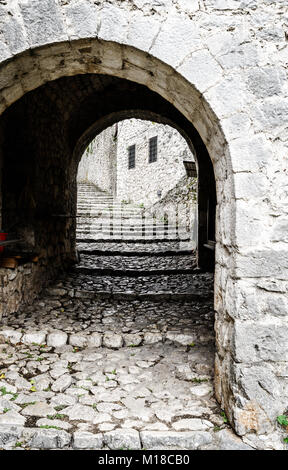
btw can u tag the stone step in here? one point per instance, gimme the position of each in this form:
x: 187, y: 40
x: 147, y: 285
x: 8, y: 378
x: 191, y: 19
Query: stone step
x: 93, y: 202
x: 112, y: 215
x: 129, y: 247
x: 133, y: 235
x: 134, y: 273
x: 97, y: 221
x: 130, y: 227
x: 91, y: 249
x: 138, y: 223
x: 104, y: 239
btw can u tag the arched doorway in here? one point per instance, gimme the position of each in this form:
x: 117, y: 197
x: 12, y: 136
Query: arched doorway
x: 57, y: 120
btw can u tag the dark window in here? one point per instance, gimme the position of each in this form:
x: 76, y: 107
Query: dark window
x: 153, y: 149
x: 131, y: 156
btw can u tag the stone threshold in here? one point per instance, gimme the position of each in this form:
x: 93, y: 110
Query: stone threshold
x: 132, y: 272
x: 133, y: 240
x: 118, y: 439
x: 58, y: 338
x: 146, y: 254
x: 154, y: 297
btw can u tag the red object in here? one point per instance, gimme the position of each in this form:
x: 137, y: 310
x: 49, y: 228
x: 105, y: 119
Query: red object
x: 3, y: 237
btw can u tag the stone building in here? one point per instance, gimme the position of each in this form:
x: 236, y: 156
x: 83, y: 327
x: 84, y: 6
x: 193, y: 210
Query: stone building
x: 142, y: 162
x: 216, y: 70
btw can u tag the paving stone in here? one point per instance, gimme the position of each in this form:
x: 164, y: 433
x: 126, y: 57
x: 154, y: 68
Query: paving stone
x: 165, y: 415
x: 72, y: 356
x: 57, y: 339
x: 12, y: 336
x: 103, y: 427
x: 46, y: 438
x: 8, y: 404
x: 9, y: 388
x: 61, y: 384
x: 181, y: 338
x: 122, y: 439
x: 87, y: 440
x: 57, y: 372
x: 80, y: 412
x: 201, y: 390
x: 227, y: 440
x: 41, y: 382
x: 112, y: 340
x: 22, y: 384
x: 193, y: 424
x: 92, y: 356
x: 54, y: 422
x: 31, y: 337
x: 9, y: 435
x: 132, y: 340
x: 108, y: 407
x: 102, y: 418
x: 152, y: 338
x: 76, y: 392
x: 78, y: 340
x: 155, y: 427
x: 175, y: 440
x: 62, y: 399
x: 40, y: 409
x: 12, y: 418
x: 94, y: 340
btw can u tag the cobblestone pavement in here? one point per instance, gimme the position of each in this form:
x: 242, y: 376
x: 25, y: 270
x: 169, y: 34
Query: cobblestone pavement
x: 139, y: 263
x: 122, y: 360
x: 83, y: 372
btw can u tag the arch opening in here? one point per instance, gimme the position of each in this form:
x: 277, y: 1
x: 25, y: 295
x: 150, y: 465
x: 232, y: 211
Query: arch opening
x: 55, y: 122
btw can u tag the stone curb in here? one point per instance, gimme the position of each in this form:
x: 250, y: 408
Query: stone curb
x: 59, y: 338
x: 155, y: 297
x: 119, y: 439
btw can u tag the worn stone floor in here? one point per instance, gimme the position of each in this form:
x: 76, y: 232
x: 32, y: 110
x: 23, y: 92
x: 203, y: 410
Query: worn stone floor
x: 118, y: 353
x: 84, y: 368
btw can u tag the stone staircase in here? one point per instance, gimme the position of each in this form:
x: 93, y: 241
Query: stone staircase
x: 101, y: 218
x: 126, y: 252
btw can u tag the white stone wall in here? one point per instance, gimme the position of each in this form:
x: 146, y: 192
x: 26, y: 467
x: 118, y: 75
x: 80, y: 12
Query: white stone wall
x: 223, y: 65
x: 98, y: 163
x: 142, y: 183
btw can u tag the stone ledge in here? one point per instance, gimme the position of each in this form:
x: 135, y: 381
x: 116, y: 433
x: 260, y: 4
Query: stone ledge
x: 119, y: 439
x: 59, y: 338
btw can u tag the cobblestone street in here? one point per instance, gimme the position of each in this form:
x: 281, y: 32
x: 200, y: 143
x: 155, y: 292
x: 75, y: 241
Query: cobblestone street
x: 114, y: 362
x: 118, y: 353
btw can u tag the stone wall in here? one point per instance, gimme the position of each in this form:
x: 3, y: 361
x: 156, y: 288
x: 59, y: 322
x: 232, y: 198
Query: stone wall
x: 162, y: 187
x: 179, y: 206
x: 148, y: 183
x: 217, y: 68
x: 98, y: 163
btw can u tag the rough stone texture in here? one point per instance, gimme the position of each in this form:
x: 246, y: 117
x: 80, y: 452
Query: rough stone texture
x: 141, y: 184
x: 87, y: 440
x: 47, y: 438
x: 98, y: 163
x: 56, y: 339
x: 126, y: 439
x: 208, y: 69
x: 175, y: 440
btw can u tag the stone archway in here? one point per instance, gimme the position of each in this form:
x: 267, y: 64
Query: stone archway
x: 242, y: 369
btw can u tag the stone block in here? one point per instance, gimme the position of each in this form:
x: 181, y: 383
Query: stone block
x: 46, y: 438
x: 113, y: 341
x: 87, y: 440
x: 34, y: 337
x: 56, y: 339
x: 188, y: 440
x: 78, y: 340
x: 9, y: 435
x: 127, y: 439
x: 43, y: 22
